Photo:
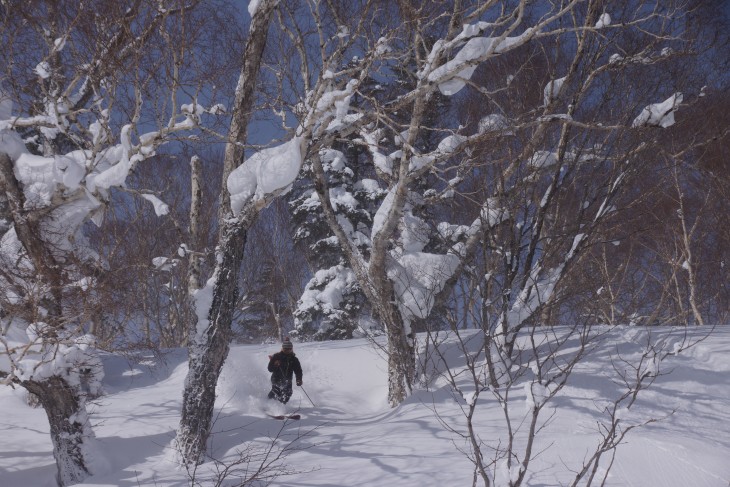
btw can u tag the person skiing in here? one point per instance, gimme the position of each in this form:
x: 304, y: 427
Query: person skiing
x: 282, y: 366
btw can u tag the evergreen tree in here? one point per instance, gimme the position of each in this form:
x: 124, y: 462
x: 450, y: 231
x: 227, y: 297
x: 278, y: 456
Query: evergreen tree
x: 332, y: 302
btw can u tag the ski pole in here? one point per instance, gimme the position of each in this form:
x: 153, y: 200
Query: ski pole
x: 305, y: 393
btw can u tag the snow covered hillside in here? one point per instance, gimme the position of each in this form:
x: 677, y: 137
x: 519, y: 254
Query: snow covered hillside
x: 352, y: 438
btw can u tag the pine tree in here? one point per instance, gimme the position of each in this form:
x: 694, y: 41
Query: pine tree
x: 332, y: 301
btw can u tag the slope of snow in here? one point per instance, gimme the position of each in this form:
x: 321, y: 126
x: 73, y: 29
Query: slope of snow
x: 352, y: 437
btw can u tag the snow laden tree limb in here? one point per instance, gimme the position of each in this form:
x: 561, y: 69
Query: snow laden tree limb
x: 71, y: 87
x: 122, y: 46
x: 27, y: 230
x: 244, y: 95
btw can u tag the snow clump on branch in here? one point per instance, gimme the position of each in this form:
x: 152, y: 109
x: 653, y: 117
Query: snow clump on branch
x: 659, y: 114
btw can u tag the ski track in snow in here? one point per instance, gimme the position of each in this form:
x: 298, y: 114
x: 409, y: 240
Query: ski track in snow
x: 352, y: 437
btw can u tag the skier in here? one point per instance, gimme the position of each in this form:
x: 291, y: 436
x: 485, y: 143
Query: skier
x: 282, y: 366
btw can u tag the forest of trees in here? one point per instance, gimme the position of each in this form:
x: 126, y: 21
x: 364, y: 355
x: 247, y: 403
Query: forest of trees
x: 190, y: 173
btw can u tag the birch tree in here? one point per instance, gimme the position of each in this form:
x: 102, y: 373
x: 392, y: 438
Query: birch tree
x: 251, y: 184
x: 74, y: 123
x: 210, y: 336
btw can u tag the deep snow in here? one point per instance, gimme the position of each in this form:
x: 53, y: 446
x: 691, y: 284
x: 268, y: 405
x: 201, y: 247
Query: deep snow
x: 352, y: 437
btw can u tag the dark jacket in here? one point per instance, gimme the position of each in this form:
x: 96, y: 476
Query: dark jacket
x: 288, y: 365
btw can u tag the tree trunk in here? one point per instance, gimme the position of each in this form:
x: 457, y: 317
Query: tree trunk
x: 64, y: 406
x: 401, y: 345
x: 70, y: 428
x: 401, y: 364
x: 209, y: 348
x: 689, y: 264
x: 196, y: 203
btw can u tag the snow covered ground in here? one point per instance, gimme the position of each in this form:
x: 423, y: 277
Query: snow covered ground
x: 352, y: 437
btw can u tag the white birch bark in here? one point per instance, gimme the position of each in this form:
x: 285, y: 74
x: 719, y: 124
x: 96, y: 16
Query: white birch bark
x: 196, y: 200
